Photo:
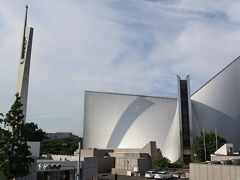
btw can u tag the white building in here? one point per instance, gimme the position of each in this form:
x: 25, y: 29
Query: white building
x: 129, y: 121
x: 113, y: 120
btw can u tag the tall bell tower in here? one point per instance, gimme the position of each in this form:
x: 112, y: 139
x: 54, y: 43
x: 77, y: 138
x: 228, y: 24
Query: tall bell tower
x: 24, y: 64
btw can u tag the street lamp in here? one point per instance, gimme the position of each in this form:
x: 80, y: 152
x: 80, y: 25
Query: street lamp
x: 195, y: 157
x: 79, y: 160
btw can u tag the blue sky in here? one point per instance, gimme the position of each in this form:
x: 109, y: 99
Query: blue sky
x: 125, y: 46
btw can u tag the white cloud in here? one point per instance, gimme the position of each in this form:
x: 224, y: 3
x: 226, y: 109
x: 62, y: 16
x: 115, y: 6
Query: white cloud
x: 123, y: 46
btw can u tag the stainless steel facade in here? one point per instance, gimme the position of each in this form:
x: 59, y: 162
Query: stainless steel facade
x: 217, y: 104
x: 130, y: 121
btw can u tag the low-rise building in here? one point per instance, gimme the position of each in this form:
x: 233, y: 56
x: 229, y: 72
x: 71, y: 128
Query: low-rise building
x: 59, y: 135
x: 61, y: 167
x: 104, y: 161
x: 124, y: 161
x: 224, y: 165
x: 138, y: 161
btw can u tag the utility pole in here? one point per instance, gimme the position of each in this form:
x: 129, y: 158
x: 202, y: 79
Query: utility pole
x: 216, y: 139
x: 204, y: 145
x: 79, y: 161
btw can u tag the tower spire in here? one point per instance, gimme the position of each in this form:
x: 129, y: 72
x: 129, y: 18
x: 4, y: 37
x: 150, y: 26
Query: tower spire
x: 24, y: 36
x: 24, y: 64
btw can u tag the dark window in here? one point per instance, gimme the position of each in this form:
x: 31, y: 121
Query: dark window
x: 185, y: 118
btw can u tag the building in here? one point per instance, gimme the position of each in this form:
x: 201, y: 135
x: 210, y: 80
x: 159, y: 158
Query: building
x: 64, y: 169
x: 224, y: 164
x: 122, y: 161
x: 104, y: 161
x: 138, y: 161
x: 67, y: 170
x: 24, y: 65
x: 216, y: 104
x: 128, y: 121
x: 120, y: 118
x: 113, y: 120
x: 59, y: 135
x: 60, y: 166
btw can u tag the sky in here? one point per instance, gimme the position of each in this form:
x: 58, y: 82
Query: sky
x: 122, y: 46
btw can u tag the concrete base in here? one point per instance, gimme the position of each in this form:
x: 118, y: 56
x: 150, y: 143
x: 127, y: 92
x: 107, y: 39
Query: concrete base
x: 119, y: 171
x: 214, y: 172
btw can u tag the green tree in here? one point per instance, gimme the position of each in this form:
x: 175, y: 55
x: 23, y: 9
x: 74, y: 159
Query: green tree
x: 210, y: 139
x: 33, y: 133
x: 65, y: 146
x: 179, y: 164
x: 162, y: 163
x: 14, y: 153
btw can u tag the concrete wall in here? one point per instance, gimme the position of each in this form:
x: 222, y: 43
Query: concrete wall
x: 214, y: 172
x: 126, y: 150
x: 89, y: 168
x: 126, y: 163
x: 102, y: 152
x: 119, y: 171
x: 105, y: 164
x: 219, y: 157
x: 152, y: 151
x: 122, y: 165
x: 64, y: 157
x: 95, y: 152
x: 143, y: 165
x: 87, y: 153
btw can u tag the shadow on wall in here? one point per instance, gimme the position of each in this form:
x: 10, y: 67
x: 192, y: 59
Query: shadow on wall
x: 134, y: 110
x: 209, y: 118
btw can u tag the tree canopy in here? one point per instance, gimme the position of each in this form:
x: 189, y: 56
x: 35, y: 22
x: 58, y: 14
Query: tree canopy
x: 163, y: 163
x: 65, y: 146
x: 33, y: 133
x: 14, y: 153
x: 210, y: 139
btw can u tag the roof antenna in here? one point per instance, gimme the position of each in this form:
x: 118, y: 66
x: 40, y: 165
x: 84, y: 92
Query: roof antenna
x: 24, y: 38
